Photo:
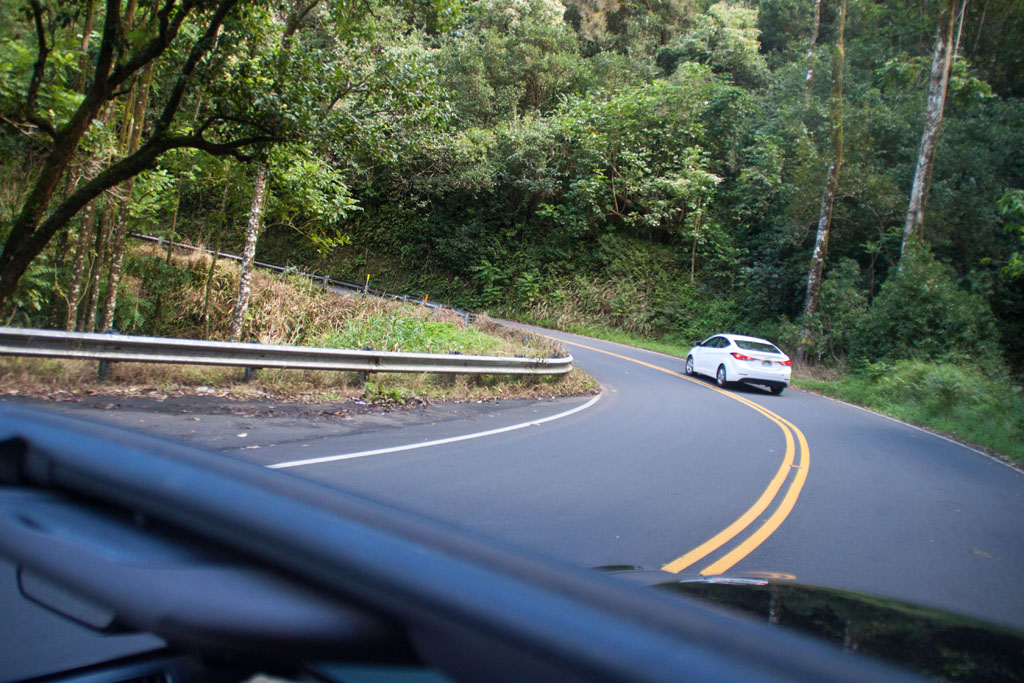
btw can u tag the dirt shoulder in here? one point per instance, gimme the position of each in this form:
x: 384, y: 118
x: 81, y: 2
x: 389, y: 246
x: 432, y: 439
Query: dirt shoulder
x: 226, y: 425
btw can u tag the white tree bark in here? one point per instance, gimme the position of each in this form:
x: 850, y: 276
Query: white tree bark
x: 913, y: 228
x: 816, y: 27
x: 828, y: 194
x: 249, y: 254
x: 300, y: 9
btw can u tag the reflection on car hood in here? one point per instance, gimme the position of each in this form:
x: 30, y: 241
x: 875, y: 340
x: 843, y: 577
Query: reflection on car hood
x: 928, y: 641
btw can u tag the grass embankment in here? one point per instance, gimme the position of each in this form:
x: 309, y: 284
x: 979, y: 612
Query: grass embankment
x: 189, y: 299
x: 960, y: 401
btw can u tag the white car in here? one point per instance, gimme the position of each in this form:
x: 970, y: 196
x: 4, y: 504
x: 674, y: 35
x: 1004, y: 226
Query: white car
x: 734, y: 358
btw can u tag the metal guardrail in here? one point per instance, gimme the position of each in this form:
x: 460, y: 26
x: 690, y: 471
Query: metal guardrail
x: 108, y: 348
x: 326, y: 281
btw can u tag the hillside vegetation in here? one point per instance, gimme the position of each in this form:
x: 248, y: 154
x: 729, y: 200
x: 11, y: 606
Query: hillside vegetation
x: 190, y: 296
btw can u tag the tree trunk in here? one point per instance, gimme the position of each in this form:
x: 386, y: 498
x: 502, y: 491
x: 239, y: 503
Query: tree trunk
x: 828, y: 195
x: 78, y: 268
x: 815, y: 28
x: 249, y: 254
x: 87, y: 319
x: 134, y: 121
x: 82, y: 266
x: 696, y: 238
x: 83, y: 60
x: 913, y: 228
x: 56, y: 296
x: 207, y: 290
x: 114, y: 246
x: 81, y: 240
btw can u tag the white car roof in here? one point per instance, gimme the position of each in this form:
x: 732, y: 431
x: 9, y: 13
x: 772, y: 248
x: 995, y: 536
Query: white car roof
x: 743, y: 337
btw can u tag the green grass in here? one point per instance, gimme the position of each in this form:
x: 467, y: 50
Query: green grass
x: 397, y: 332
x: 958, y: 400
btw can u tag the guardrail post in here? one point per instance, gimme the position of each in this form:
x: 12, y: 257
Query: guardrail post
x: 250, y: 372
x: 106, y: 367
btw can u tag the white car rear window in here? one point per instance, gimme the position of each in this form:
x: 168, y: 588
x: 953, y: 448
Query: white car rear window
x: 764, y: 347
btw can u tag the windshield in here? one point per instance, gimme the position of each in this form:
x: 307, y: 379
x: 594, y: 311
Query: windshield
x: 749, y: 345
x: 439, y: 271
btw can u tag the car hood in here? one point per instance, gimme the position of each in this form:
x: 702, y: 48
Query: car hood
x: 925, y: 640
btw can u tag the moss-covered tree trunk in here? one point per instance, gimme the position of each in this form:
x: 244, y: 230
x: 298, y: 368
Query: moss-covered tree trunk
x: 87, y: 316
x: 942, y: 59
x: 134, y: 121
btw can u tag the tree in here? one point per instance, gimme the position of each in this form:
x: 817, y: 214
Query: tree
x: 117, y: 62
x: 252, y: 232
x: 509, y: 59
x: 371, y: 90
x: 133, y: 122
x: 725, y: 39
x: 828, y: 195
x: 942, y: 58
x: 221, y: 86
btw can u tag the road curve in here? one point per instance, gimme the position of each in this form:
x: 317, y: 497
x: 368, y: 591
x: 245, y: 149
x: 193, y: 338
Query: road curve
x: 665, y: 471
x: 670, y: 472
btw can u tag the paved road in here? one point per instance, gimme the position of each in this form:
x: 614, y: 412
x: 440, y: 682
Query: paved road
x: 661, y: 464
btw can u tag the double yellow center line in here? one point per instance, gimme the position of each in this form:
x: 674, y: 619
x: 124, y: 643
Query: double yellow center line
x: 795, y: 441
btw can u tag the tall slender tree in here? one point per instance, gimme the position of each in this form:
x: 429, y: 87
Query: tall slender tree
x: 828, y: 195
x: 300, y: 9
x: 133, y: 124
x: 938, y: 84
x: 815, y: 30
x: 252, y: 232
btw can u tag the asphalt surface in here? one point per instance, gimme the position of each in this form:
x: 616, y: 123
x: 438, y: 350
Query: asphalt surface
x: 652, y: 470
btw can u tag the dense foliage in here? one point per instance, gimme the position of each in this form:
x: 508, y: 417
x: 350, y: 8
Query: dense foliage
x: 652, y: 167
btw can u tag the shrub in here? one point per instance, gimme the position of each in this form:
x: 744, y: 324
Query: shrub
x: 842, y: 313
x: 843, y: 308
x: 921, y: 313
x: 693, y: 313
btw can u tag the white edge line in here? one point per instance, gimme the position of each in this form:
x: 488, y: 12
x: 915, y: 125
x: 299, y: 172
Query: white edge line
x: 425, y: 444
